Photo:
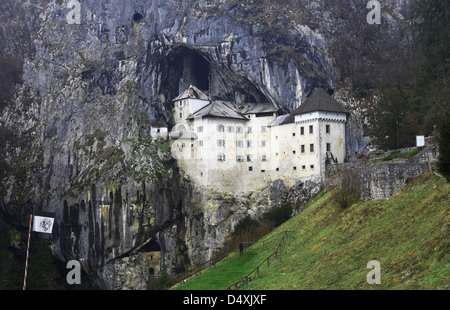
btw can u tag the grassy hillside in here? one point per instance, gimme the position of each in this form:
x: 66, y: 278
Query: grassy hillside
x: 408, y: 234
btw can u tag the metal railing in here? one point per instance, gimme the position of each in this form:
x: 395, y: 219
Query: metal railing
x: 255, y: 273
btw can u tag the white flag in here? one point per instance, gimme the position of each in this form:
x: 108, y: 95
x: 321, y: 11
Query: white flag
x: 43, y: 224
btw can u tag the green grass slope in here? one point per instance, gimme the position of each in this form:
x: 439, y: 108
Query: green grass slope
x: 408, y: 234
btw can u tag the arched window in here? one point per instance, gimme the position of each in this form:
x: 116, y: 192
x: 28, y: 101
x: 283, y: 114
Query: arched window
x: 220, y: 128
x: 151, y: 271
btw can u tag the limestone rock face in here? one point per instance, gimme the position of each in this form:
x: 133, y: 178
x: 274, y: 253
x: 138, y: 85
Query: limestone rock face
x: 76, y: 134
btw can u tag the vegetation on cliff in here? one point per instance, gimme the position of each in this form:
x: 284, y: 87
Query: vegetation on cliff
x: 331, y: 246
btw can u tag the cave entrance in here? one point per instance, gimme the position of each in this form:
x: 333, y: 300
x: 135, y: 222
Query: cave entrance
x: 191, y: 68
x: 184, y: 66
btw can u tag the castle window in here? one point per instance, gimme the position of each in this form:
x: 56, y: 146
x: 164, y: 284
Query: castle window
x: 220, y: 142
x: 200, y: 129
x: 302, y: 148
x: 250, y: 168
x: 181, y: 115
x: 263, y: 143
x: 239, y: 158
x: 262, y: 171
x: 239, y: 129
x: 327, y: 128
x: 312, y: 166
x: 278, y: 169
x: 311, y: 129
x: 230, y: 128
x: 249, y: 143
x: 264, y: 157
x: 293, y: 152
x: 295, y: 168
x: 151, y: 272
x: 239, y: 143
x: 311, y: 148
x: 328, y: 147
x: 302, y: 130
x: 293, y: 134
x: 249, y: 158
x: 221, y: 157
x: 304, y: 167
x: 200, y: 143
x: 220, y: 128
x: 249, y: 129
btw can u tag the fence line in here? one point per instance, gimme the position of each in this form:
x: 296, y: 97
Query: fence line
x: 211, y: 263
x: 255, y: 273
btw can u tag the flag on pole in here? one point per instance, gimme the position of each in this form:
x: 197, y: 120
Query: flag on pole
x: 43, y: 224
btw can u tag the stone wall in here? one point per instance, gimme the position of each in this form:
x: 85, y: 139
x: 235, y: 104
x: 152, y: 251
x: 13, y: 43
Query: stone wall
x: 383, y: 179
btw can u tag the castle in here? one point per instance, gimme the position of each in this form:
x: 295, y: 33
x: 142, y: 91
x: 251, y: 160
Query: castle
x: 242, y: 147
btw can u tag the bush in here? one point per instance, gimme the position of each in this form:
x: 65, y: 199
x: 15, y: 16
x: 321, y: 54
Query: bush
x: 279, y: 215
x: 348, y: 194
x: 444, y: 148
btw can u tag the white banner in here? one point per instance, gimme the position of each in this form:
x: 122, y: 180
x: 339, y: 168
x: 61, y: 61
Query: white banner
x: 43, y: 224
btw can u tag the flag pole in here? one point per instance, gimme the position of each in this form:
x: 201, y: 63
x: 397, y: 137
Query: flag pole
x: 28, y: 251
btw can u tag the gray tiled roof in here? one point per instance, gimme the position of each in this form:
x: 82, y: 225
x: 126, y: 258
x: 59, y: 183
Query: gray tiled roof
x: 320, y: 101
x: 218, y: 108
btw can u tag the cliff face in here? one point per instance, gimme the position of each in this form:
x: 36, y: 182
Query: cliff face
x: 75, y: 135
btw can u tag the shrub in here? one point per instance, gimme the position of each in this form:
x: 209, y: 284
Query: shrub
x: 279, y: 215
x: 444, y: 148
x: 348, y: 193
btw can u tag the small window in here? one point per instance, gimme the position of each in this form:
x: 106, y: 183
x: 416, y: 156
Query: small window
x: 200, y: 129
x: 220, y: 128
x: 181, y: 103
x: 262, y: 171
x: 263, y: 128
x: 239, y: 143
x: 221, y: 157
x: 264, y: 157
x: 302, y: 148
x: 311, y: 129
x: 293, y: 152
x: 302, y: 131
x: 230, y: 128
x: 239, y: 158
x: 249, y: 158
x: 249, y: 143
x: 327, y: 128
x: 278, y: 169
x: 312, y: 166
x: 311, y: 148
x: 304, y: 167
x: 263, y: 143
x: 295, y: 168
x: 249, y: 129
x: 328, y: 147
x: 181, y: 115
x: 200, y: 143
x: 239, y: 129
x: 250, y: 168
x: 293, y: 134
x: 220, y: 142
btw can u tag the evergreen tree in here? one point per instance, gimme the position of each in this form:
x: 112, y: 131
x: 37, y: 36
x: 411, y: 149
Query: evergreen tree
x: 444, y: 147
